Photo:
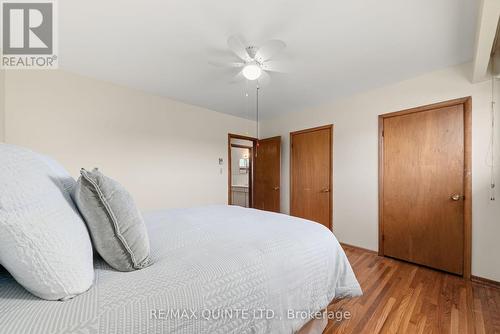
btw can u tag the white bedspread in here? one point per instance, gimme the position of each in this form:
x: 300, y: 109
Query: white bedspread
x: 218, y: 269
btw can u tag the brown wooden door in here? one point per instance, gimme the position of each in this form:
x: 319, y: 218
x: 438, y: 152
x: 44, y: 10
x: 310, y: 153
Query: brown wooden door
x: 423, y: 187
x: 311, y: 174
x: 267, y: 175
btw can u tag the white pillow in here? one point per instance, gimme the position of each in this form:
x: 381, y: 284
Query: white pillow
x: 44, y: 243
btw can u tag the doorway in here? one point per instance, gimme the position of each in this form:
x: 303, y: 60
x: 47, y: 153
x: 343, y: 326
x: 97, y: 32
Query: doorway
x: 254, y: 172
x: 311, y: 174
x: 240, y: 170
x: 425, y: 185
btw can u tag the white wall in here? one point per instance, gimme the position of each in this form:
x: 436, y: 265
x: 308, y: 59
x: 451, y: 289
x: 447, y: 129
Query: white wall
x: 2, y: 105
x: 356, y: 157
x: 165, y: 152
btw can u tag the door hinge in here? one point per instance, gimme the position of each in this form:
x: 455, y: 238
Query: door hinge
x: 382, y: 133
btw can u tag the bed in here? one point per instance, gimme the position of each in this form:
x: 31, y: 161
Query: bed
x: 217, y: 269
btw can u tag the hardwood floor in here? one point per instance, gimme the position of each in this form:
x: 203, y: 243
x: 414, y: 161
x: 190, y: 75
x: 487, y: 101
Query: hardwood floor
x: 400, y: 297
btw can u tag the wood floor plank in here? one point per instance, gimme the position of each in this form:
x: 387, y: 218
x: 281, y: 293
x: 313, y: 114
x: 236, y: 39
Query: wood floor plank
x: 403, y: 327
x: 421, y: 325
x: 400, y: 297
x: 478, y: 317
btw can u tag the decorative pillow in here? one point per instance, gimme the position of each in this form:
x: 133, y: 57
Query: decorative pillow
x: 44, y: 243
x: 115, y: 224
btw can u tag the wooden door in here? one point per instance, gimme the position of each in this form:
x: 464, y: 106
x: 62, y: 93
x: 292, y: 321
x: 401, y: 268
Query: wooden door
x: 267, y: 174
x: 423, y: 187
x: 311, y: 174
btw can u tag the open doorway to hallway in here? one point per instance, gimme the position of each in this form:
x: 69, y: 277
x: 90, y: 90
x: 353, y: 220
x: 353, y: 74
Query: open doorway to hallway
x: 240, y: 172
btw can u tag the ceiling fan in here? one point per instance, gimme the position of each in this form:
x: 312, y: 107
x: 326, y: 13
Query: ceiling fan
x: 256, y: 61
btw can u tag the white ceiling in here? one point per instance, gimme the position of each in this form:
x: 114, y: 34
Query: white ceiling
x: 335, y: 48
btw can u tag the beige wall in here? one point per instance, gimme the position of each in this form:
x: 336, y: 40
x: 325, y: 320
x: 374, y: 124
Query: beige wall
x: 356, y: 157
x: 165, y: 152
x: 2, y: 105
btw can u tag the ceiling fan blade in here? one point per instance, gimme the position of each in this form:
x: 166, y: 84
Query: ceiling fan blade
x: 238, y: 78
x: 227, y: 64
x: 276, y: 66
x: 269, y: 49
x: 237, y: 45
x: 264, y: 79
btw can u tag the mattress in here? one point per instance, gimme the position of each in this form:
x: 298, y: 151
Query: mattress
x: 217, y: 269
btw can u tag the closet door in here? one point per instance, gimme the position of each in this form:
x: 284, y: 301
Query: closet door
x: 311, y: 174
x: 423, y: 187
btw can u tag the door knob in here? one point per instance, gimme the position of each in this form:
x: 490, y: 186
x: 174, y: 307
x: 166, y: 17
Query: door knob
x: 455, y: 197
x: 276, y: 188
x: 326, y: 190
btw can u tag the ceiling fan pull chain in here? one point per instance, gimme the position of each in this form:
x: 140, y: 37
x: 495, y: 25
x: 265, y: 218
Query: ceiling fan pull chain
x: 492, y: 141
x: 257, y: 120
x: 257, y: 112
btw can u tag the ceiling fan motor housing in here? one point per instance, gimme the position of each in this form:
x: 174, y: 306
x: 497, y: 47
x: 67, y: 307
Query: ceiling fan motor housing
x: 252, y: 51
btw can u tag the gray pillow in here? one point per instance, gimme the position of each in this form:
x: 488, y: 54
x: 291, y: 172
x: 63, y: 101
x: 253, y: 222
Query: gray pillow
x: 116, y: 226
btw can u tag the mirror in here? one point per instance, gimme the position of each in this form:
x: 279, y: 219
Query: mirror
x: 244, y: 164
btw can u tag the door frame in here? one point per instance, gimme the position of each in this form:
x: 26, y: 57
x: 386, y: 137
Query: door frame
x: 467, y: 106
x: 330, y: 194
x: 229, y: 172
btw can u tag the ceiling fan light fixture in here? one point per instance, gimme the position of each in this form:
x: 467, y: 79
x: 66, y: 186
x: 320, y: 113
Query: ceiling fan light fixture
x: 252, y: 71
